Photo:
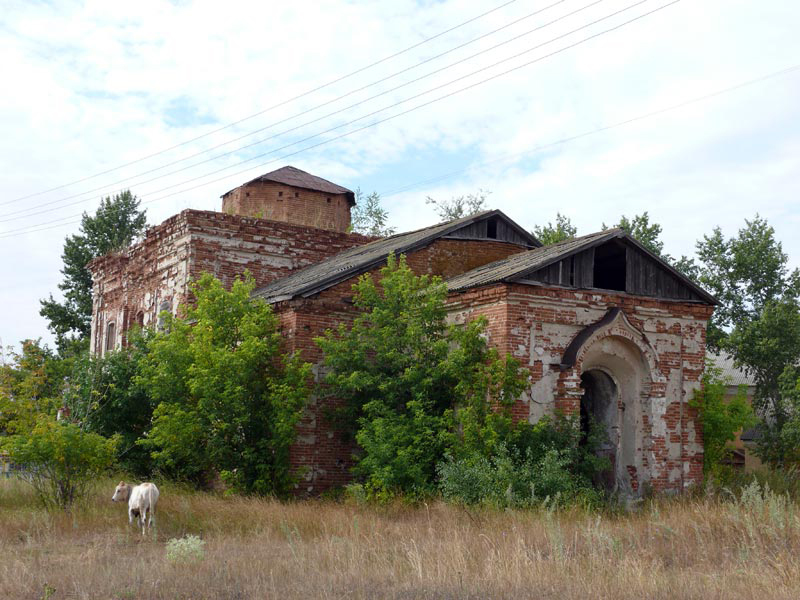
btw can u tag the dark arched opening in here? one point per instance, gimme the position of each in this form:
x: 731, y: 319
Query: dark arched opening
x: 598, y: 417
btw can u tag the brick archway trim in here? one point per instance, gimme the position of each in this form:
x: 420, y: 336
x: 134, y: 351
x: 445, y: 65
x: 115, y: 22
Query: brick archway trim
x: 614, y: 322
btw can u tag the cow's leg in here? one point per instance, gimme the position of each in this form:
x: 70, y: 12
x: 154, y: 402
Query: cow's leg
x: 143, y: 518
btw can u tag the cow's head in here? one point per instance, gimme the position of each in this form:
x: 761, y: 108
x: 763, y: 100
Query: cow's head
x: 121, y: 493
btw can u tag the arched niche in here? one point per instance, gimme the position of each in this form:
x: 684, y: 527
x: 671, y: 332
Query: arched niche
x: 616, y: 365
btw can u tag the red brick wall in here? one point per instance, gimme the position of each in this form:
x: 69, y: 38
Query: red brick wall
x: 536, y: 324
x: 320, y: 454
x: 160, y: 267
x: 281, y: 202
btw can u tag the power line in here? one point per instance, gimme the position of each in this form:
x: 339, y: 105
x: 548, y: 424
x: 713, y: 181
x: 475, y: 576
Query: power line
x: 270, y: 108
x: 385, y: 108
x: 595, y: 131
x: 339, y: 111
x: 772, y: 75
x: 324, y: 142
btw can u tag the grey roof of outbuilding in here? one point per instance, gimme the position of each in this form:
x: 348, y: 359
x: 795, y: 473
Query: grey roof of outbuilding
x: 518, y: 266
x: 315, y: 278
x: 731, y: 374
x: 293, y: 176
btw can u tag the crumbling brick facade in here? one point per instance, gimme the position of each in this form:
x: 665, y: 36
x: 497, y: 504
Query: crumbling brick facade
x: 132, y: 287
x: 654, y: 352
x: 280, y: 202
x: 631, y: 360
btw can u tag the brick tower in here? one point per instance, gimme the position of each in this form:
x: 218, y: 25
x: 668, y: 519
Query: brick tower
x: 292, y: 196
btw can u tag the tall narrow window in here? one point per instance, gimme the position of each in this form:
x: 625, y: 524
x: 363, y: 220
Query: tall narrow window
x: 110, y: 337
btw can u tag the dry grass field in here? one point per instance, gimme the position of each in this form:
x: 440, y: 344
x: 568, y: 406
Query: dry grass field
x: 688, y: 548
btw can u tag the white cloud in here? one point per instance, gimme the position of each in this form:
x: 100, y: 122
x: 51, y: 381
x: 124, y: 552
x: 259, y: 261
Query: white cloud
x: 96, y: 84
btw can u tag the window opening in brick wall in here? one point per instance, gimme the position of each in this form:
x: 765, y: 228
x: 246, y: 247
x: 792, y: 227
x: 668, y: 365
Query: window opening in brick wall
x: 609, y: 266
x: 110, y: 335
x: 297, y: 194
x: 329, y: 200
x: 165, y: 306
x: 280, y: 194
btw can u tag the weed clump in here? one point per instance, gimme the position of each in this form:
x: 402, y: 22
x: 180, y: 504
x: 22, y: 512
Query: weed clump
x: 188, y: 549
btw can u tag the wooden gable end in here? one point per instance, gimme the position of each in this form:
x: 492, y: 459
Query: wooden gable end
x: 494, y: 228
x: 620, y: 266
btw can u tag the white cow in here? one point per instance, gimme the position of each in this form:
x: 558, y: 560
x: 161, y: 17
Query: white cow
x: 141, y: 499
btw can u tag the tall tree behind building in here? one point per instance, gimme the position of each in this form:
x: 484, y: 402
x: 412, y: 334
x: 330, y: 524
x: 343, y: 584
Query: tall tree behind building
x: 117, y: 222
x: 369, y: 217
x: 460, y: 206
x: 552, y: 234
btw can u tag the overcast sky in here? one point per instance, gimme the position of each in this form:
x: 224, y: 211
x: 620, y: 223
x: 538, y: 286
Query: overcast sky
x: 91, y: 86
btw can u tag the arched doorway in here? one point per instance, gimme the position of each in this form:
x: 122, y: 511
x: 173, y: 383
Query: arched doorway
x: 599, y: 420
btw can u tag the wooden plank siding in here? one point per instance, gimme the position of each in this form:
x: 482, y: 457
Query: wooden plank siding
x: 643, y: 276
x: 492, y: 229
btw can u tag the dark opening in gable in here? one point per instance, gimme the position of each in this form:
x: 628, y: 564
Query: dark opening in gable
x: 491, y: 229
x: 609, y: 266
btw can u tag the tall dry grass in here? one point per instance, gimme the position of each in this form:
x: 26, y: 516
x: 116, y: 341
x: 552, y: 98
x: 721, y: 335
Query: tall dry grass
x: 700, y: 548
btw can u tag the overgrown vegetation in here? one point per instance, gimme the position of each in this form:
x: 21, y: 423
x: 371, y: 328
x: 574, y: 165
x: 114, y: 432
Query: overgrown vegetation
x: 227, y: 399
x: 743, y: 541
x: 720, y: 417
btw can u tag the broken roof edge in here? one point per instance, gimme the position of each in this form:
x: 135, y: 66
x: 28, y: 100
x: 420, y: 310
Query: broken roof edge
x: 591, y: 240
x: 438, y: 231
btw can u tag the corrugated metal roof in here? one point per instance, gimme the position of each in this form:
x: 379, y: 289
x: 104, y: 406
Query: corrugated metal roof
x: 729, y: 371
x: 293, y: 176
x: 355, y: 261
x: 518, y: 265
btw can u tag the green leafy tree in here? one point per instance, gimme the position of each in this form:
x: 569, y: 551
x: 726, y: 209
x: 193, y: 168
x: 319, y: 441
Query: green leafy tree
x: 721, y: 417
x: 368, y: 217
x: 105, y: 394
x: 562, y: 230
x: 117, y: 222
x: 781, y: 445
x: 745, y: 273
x: 459, y: 206
x: 401, y: 371
x: 227, y: 398
x: 60, y: 460
x: 646, y: 233
x: 30, y: 385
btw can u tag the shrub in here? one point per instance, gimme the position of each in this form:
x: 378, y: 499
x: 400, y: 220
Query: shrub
x: 60, y: 460
x: 187, y: 549
x: 508, y: 480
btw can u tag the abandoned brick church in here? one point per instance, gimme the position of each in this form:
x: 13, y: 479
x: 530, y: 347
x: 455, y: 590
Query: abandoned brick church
x: 601, y: 324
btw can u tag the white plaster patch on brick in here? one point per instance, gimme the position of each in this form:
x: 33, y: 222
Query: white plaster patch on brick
x: 658, y: 407
x: 531, y: 345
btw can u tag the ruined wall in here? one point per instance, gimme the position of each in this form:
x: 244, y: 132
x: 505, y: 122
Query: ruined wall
x: 320, y: 453
x: 655, y: 354
x: 134, y: 286
x: 281, y: 202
